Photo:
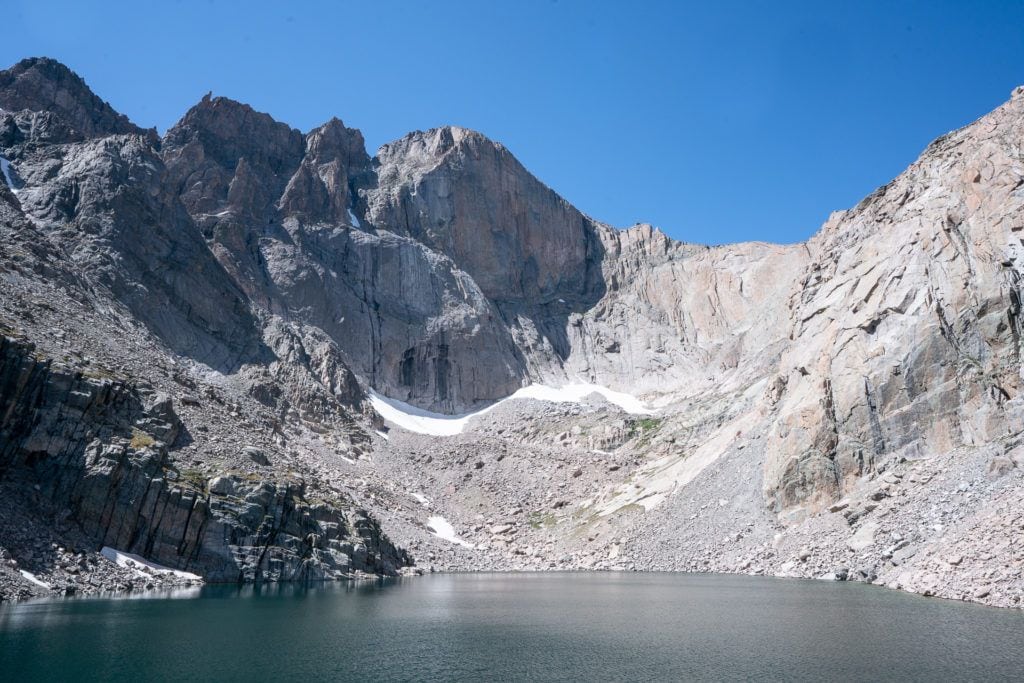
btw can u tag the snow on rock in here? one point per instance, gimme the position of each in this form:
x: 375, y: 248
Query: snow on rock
x: 32, y: 578
x: 142, y: 565
x: 352, y: 218
x: 574, y: 393
x: 421, y: 421
x: 421, y: 499
x: 5, y: 168
x: 444, y: 530
x: 418, y: 420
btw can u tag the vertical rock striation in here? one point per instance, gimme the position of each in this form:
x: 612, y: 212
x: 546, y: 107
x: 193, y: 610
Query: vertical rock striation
x: 100, y: 448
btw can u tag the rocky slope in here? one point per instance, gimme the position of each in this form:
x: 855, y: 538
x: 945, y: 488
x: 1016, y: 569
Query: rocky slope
x: 193, y: 327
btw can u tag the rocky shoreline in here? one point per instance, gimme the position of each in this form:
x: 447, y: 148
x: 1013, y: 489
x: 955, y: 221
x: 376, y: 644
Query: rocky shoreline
x: 127, y: 585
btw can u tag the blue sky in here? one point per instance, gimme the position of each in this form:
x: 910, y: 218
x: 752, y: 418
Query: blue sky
x: 716, y: 121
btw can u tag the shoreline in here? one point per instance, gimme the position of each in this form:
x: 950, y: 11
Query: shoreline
x: 194, y: 591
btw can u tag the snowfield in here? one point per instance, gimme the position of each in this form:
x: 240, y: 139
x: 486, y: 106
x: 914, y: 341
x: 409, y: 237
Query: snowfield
x: 575, y: 393
x: 140, y: 564
x: 5, y: 168
x: 418, y: 420
x: 421, y: 421
x: 32, y: 578
x: 444, y: 530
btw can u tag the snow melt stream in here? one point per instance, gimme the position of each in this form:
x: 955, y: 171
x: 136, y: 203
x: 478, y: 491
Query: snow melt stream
x: 421, y: 421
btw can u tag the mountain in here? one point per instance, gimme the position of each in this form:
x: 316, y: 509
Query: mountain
x: 243, y: 351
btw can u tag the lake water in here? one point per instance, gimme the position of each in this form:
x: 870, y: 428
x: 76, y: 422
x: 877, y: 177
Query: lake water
x: 522, y: 627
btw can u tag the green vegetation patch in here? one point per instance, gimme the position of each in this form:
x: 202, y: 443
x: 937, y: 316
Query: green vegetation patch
x: 644, y: 428
x: 192, y: 478
x: 141, y: 439
x: 98, y: 372
x: 539, y: 520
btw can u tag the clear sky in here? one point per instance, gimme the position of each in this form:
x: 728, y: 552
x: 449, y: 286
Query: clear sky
x: 716, y: 121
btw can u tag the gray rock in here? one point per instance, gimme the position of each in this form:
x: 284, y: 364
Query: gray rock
x: 240, y: 282
x: 256, y: 455
x: 44, y: 85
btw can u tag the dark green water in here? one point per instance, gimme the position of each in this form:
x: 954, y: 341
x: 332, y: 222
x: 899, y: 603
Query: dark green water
x: 522, y: 627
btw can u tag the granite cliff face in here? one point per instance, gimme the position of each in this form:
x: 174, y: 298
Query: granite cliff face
x: 99, y: 448
x: 809, y: 401
x: 906, y: 325
x: 49, y: 89
x: 467, y: 197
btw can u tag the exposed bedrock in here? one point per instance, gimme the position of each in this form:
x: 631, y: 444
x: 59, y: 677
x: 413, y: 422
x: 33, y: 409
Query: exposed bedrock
x: 273, y: 278
x: 101, y: 448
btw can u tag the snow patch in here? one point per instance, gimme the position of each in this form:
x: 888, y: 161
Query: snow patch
x: 5, y: 168
x: 211, y: 376
x: 441, y: 528
x: 140, y: 564
x: 417, y: 420
x: 352, y: 218
x: 32, y: 578
x: 421, y: 421
x: 421, y: 499
x: 575, y: 393
x: 383, y: 435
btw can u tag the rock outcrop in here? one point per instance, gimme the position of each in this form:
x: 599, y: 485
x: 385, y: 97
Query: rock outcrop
x: 467, y: 197
x: 810, y: 398
x: 47, y: 87
x: 99, y: 448
x: 905, y: 330
x: 105, y: 203
x: 281, y: 213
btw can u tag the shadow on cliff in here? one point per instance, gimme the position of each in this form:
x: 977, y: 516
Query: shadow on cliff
x: 553, y: 316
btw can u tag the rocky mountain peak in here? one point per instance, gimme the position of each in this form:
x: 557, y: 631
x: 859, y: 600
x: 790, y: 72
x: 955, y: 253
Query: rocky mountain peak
x: 229, y: 130
x: 802, y: 397
x: 334, y: 138
x: 224, y: 155
x: 320, y: 191
x: 523, y: 242
x: 647, y: 234
x: 432, y: 145
x: 41, y: 84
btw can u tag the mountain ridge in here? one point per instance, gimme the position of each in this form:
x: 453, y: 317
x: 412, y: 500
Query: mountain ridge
x: 268, y: 280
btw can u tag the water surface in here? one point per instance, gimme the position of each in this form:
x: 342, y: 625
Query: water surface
x: 543, y: 627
